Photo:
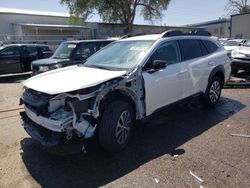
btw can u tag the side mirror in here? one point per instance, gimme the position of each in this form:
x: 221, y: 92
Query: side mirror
x: 158, y: 65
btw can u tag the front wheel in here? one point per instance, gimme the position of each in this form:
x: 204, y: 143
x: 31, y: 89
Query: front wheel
x: 213, y: 92
x: 115, y: 126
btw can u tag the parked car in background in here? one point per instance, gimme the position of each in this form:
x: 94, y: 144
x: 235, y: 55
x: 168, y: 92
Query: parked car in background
x: 230, y: 45
x: 128, y: 80
x: 241, y: 58
x: 15, y: 58
x: 69, y: 53
x: 222, y: 40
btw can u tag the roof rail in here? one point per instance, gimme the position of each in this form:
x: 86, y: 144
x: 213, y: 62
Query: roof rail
x: 172, y: 33
x: 131, y: 35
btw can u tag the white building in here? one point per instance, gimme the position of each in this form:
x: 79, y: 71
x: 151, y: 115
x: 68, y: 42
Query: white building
x: 22, y: 25
x: 240, y: 26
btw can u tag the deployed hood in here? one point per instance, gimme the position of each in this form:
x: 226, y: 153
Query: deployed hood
x: 70, y: 79
x: 49, y: 61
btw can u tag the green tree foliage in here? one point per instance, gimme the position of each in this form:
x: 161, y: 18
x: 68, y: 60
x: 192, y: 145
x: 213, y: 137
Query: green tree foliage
x: 117, y: 11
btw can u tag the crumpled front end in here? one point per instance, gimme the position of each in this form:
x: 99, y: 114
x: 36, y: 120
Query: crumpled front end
x: 47, y: 118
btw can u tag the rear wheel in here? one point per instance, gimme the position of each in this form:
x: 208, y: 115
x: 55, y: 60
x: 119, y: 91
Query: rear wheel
x: 213, y: 92
x: 115, y: 126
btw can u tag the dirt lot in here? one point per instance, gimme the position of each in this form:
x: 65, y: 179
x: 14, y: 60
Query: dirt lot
x: 161, y: 154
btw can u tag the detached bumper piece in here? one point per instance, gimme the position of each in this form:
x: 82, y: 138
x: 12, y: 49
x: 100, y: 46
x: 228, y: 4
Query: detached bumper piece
x: 44, y: 136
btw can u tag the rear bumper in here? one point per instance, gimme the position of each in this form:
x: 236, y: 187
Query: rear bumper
x: 44, y: 136
x: 240, y: 64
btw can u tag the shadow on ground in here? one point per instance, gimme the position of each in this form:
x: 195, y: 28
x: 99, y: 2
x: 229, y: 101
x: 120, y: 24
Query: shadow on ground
x: 14, y: 78
x: 167, y: 131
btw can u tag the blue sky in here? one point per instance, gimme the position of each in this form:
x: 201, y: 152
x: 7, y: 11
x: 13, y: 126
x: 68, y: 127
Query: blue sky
x: 180, y: 12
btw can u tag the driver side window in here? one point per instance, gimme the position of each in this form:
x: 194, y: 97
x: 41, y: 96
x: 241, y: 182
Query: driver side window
x: 168, y: 51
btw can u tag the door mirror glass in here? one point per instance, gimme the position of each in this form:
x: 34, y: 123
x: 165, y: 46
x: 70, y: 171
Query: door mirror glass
x: 159, y: 64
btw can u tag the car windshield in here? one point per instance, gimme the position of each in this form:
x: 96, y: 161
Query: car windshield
x: 247, y: 43
x: 64, y: 50
x: 121, y: 55
x: 230, y: 43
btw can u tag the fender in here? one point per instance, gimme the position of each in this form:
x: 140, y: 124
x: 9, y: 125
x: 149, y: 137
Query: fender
x: 217, y: 69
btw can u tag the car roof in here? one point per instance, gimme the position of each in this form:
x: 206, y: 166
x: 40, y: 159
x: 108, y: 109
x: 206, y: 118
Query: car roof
x: 8, y: 45
x: 93, y: 40
x: 156, y: 37
x: 144, y: 37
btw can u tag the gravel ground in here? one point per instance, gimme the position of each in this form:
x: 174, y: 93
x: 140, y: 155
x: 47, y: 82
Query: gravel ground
x: 161, y: 154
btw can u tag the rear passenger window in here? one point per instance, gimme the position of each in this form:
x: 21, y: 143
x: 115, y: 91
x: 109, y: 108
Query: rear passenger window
x: 211, y: 47
x: 190, y: 49
x: 32, y: 50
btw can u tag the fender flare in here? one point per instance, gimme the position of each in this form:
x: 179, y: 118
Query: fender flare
x: 217, y: 69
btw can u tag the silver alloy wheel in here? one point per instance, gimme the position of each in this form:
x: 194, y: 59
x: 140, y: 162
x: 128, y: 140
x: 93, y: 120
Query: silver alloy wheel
x: 214, y: 92
x: 123, y: 127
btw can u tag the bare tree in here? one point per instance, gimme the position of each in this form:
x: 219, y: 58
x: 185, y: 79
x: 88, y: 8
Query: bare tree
x: 238, y: 6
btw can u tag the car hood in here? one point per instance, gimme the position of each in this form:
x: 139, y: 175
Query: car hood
x: 49, y: 61
x: 70, y: 79
x: 244, y: 50
x: 231, y: 48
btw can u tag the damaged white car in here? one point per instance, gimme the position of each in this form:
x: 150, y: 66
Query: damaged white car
x: 126, y: 81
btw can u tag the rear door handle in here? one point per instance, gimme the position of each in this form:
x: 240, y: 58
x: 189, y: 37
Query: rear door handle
x: 210, y: 63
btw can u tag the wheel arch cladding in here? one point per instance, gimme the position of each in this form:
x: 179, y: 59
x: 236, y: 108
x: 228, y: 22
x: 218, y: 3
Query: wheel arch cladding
x: 117, y: 95
x: 218, y: 71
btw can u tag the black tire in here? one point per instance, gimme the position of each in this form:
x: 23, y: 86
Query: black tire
x: 110, y: 132
x: 213, y: 92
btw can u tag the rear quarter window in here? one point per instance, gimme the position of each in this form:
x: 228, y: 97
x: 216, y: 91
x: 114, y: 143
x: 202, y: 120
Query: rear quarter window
x: 211, y: 47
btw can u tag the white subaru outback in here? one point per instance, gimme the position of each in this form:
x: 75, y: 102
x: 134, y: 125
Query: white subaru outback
x: 126, y: 81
